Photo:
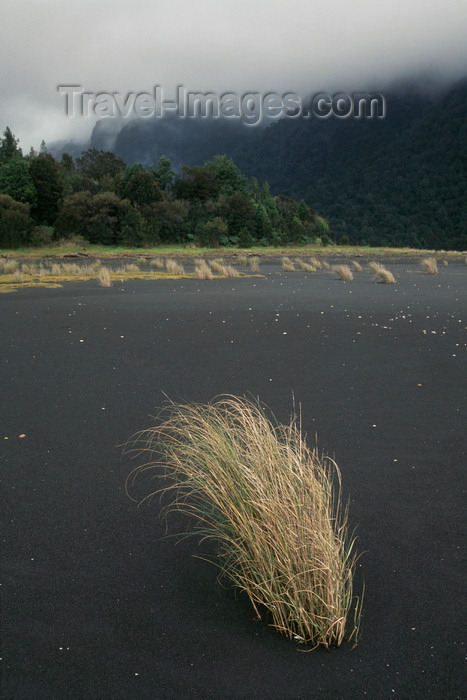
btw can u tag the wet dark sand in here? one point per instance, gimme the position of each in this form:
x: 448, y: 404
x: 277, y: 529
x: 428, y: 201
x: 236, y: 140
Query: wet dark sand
x: 97, y: 604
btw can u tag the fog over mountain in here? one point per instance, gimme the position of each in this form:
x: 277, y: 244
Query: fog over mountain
x: 261, y: 46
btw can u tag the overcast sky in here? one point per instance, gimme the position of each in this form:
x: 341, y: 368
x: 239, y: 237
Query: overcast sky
x: 302, y: 46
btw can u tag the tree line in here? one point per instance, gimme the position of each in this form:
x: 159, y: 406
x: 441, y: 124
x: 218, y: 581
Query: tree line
x: 100, y: 199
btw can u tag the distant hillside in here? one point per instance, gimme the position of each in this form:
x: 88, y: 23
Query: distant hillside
x: 401, y: 180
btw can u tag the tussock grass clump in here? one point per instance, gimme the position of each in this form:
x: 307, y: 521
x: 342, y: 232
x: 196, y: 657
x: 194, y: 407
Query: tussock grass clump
x: 384, y: 276
x: 230, y: 271
x: 303, y: 265
x: 375, y: 266
x: 254, y: 264
x: 356, y: 266
x: 56, y: 269
x: 429, y: 265
x: 10, y: 266
x: 325, y: 265
x: 203, y: 271
x: 218, y: 266
x: 343, y: 272
x: 272, y: 505
x: 287, y: 265
x: 157, y: 264
x: 174, y: 268
x: 317, y: 264
x: 103, y: 277
x: 243, y: 260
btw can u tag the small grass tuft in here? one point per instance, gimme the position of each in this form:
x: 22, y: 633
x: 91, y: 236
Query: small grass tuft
x: 230, y: 271
x: 317, y: 264
x: 103, y: 277
x: 272, y: 505
x: 174, y: 268
x: 254, y: 264
x: 356, y: 266
x: 384, y: 276
x: 287, y: 265
x: 429, y: 265
x: 343, y: 272
x: 218, y: 267
x: 203, y: 271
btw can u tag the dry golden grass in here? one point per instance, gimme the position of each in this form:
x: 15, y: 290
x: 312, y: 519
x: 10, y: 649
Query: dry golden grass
x: 375, y: 266
x: 317, y: 264
x: 356, y: 266
x: 325, y: 265
x: 103, y: 277
x: 9, y: 266
x: 231, y: 271
x: 429, y: 265
x: 203, y: 271
x: 384, y: 276
x: 254, y: 264
x: 56, y: 269
x: 157, y: 264
x: 174, y: 268
x: 218, y: 266
x: 303, y: 265
x: 287, y: 265
x: 272, y: 505
x: 343, y: 272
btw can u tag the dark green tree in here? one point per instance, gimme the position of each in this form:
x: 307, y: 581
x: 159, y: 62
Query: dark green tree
x: 164, y: 173
x: 15, y: 222
x: 45, y: 175
x: 95, y: 164
x: 139, y: 186
x: 229, y: 178
x: 9, y: 148
x: 16, y: 180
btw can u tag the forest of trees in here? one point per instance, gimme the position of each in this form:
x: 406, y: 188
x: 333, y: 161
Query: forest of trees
x: 397, y: 181
x: 98, y: 198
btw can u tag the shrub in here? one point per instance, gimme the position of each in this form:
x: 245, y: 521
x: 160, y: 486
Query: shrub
x: 430, y: 266
x: 272, y: 505
x: 15, y: 222
x: 42, y: 236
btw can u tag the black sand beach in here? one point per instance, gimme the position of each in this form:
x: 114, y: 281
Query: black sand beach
x: 97, y: 604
